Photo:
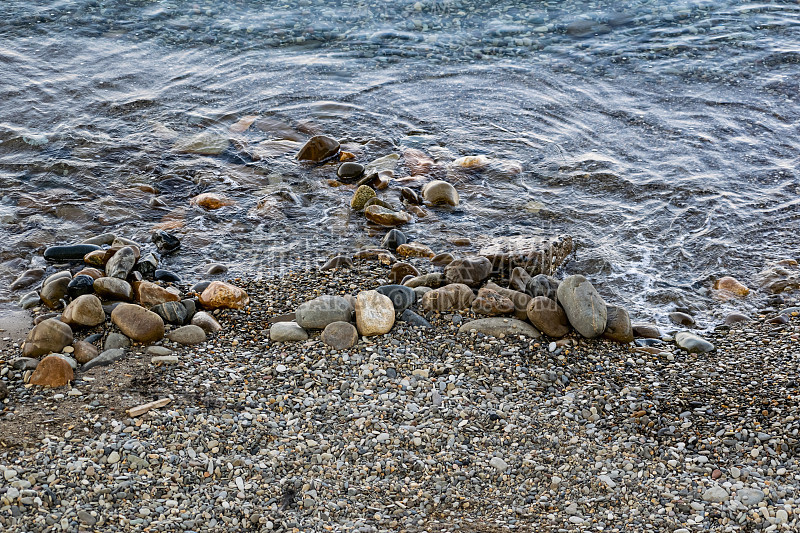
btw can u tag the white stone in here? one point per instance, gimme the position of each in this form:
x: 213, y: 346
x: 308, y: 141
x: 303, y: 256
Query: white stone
x: 498, y: 463
x: 716, y: 494
x: 607, y: 480
x: 113, y: 457
x: 374, y: 313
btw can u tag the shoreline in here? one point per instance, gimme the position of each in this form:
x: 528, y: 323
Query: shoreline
x: 415, y: 430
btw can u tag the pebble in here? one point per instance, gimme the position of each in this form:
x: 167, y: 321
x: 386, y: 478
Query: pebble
x: 692, y: 343
x: 287, y: 332
x: 187, y: 335
x: 340, y: 335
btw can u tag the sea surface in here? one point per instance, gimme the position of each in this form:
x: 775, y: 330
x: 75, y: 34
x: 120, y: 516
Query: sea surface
x: 662, y: 135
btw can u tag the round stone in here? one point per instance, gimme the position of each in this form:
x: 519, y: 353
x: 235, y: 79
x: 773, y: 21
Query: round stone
x: 287, y: 332
x: 323, y: 310
x: 206, y: 321
x: 50, y: 335
x: 585, y: 308
x: 86, y: 310
x: 360, y: 197
x: 440, y: 192
x: 350, y: 171
x: 340, y: 335
x: 470, y: 271
x: 375, y: 313
x: 138, y: 323
x: 318, y: 148
x: 52, y: 371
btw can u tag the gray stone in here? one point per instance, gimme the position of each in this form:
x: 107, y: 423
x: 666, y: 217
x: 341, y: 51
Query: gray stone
x: 542, y: 285
x: 28, y: 278
x: 618, y: 325
x: 172, y: 312
x: 340, y: 261
x: 585, y: 308
x: 749, y: 497
x: 187, y: 335
x: 393, y: 239
x: 646, y: 331
x: 692, y: 343
x: 30, y: 300
x: 116, y: 340
x: 440, y: 192
x: 402, y: 297
x: 104, y: 239
x: 414, y: 319
x: 164, y: 360
x: 434, y: 280
x: 681, y: 319
x: 470, y: 271
x: 190, y: 306
x: 498, y: 326
x: 104, y: 359
x: 121, y: 263
x: 158, y: 351
x: 206, y: 321
x: 24, y: 363
x: 340, y: 335
x: 70, y: 361
x: 287, y: 332
x: 321, y: 311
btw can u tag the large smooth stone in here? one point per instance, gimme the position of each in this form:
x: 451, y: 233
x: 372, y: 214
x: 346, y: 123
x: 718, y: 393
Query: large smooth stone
x: 318, y: 148
x: 440, y: 192
x: 323, y: 310
x: 104, y: 359
x: 520, y: 299
x: 374, y: 313
x: 84, y: 351
x: 211, y: 201
x: 434, y: 280
x: 104, y: 239
x: 206, y: 321
x: 166, y: 275
x: 410, y: 317
x: 417, y: 162
x: 780, y: 276
x: 165, y: 242
x: 646, y: 331
x: 91, y: 272
x: 138, y: 323
x: 682, y: 319
x: 147, y: 266
x: 542, y: 285
x: 52, y: 371
x: 29, y: 300
x: 585, y: 308
x: 190, y: 305
x: 361, y: 196
x: 498, y: 326
x: 402, y: 297
x: 84, y: 310
x: 72, y: 252
x: 54, y: 291
x: 534, y: 255
x: 470, y: 271
x: 172, y: 312
x: 50, y: 335
x: 386, y: 217
x: 548, y: 317
x: 339, y: 261
x: 28, y: 278
x: 400, y: 270
x: 491, y: 303
x: 393, y: 239
x: 618, y: 325
x: 205, y: 143
x: 187, y: 335
x: 287, y: 332
x: 455, y: 296
x: 115, y: 341
x: 149, y: 294
x: 113, y: 289
x: 121, y: 263
x: 692, y: 343
x: 220, y: 295
x: 340, y: 335
x: 350, y: 171
x: 80, y: 285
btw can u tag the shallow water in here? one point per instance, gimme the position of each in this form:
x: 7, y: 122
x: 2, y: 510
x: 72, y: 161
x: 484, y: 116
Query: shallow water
x: 662, y: 135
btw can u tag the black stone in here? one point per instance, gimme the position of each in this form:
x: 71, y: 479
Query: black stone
x: 350, y: 171
x: 402, y: 297
x: 200, y: 286
x: 72, y: 252
x: 172, y: 312
x: 165, y: 242
x: 648, y: 342
x: 391, y: 373
x: 542, y: 285
x: 166, y: 275
x: 80, y: 285
x: 393, y: 239
x: 93, y: 338
x: 147, y: 266
x: 414, y: 319
x: 410, y: 196
x: 191, y: 308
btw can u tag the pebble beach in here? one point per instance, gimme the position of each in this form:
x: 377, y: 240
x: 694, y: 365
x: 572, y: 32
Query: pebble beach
x: 419, y: 429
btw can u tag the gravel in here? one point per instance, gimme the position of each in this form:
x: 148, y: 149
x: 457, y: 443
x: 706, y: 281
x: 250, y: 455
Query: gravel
x: 416, y: 430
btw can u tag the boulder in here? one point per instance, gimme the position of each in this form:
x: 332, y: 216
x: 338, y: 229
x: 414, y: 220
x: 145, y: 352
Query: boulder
x: 50, y: 335
x: 323, y: 310
x: 206, y: 321
x: 534, y: 255
x: 618, y: 325
x: 491, y: 303
x: 542, y: 285
x: 585, y: 308
x: 84, y: 310
x: 682, y: 319
x: 646, y: 331
x: 440, y: 192
x: 71, y: 252
x: 318, y: 148
x: 498, y: 327
x: 470, y: 271
x: 374, y: 313
x: 187, y: 335
x: 138, y: 323
x: 340, y: 335
x: 402, y: 297
x: 52, y: 371
x: 455, y: 296
x: 149, y: 294
x: 219, y: 295
x: 113, y: 289
x: 548, y: 317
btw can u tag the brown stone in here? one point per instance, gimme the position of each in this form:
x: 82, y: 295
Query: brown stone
x: 52, y: 371
x: 492, y: 303
x: 453, y: 297
x: 401, y: 270
x: 618, y: 325
x: 85, y: 310
x: 520, y: 299
x: 548, y: 317
x: 730, y: 287
x: 780, y: 276
x: 138, y: 323
x: 470, y: 271
x: 113, y: 289
x: 91, y: 272
x: 646, y: 331
x: 50, y: 335
x: 54, y: 291
x: 149, y: 294
x: 211, y: 201
x: 535, y: 255
x: 417, y: 162
x: 340, y: 335
x: 340, y: 261
x: 414, y: 249
x: 386, y: 217
x: 318, y: 148
x: 442, y: 259
x: 84, y: 351
x: 434, y: 280
x: 219, y: 295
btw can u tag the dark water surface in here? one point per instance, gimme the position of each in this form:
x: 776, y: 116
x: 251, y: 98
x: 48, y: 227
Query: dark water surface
x: 662, y: 135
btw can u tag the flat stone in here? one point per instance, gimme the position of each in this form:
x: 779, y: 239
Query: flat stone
x: 104, y: 239
x: 400, y: 270
x: 585, y: 308
x: 681, y: 319
x: 115, y: 341
x: 164, y: 360
x: 205, y: 143
x: 618, y: 325
x: 386, y: 217
x: 716, y: 494
x: 29, y: 300
x: 219, y: 295
x: 375, y: 313
x: 414, y: 319
x: 25, y: 363
x: 150, y: 294
x: 138, y: 323
x: 27, y: 278
x: 646, y: 331
x: 86, y: 310
x: 206, y: 321
x: 534, y: 255
x: 497, y: 327
x: 287, y: 332
x: 323, y: 310
x: 736, y: 318
x: 105, y: 358
x: 470, y: 271
x: 72, y: 252
x: 187, y: 335
x: 749, y: 497
x: 158, y: 351
x: 387, y: 162
x: 50, y: 335
x: 340, y: 335
x: 692, y: 343
x: 415, y: 249
x: 52, y: 371
x: 339, y: 261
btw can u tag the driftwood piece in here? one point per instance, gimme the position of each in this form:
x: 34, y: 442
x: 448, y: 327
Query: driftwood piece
x: 139, y: 410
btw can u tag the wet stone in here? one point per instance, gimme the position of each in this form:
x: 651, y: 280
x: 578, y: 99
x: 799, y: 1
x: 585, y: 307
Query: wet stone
x: 386, y: 217
x: 147, y: 266
x: 318, y: 149
x: 400, y: 270
x: 415, y: 249
x: 393, y: 239
x: 166, y: 276
x: 402, y: 297
x: 360, y: 197
x: 172, y: 312
x: 411, y: 196
x: 339, y: 261
x: 681, y: 319
x: 440, y: 192
x: 350, y: 171
x: 165, y: 242
x: 80, y: 285
x: 27, y: 278
x: 121, y: 263
x: 214, y: 269
x: 647, y: 331
x: 74, y: 252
